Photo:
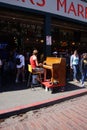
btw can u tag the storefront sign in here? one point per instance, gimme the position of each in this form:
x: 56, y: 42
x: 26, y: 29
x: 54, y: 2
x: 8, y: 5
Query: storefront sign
x: 75, y: 9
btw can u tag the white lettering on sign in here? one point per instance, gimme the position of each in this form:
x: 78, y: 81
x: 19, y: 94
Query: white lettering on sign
x: 75, y: 9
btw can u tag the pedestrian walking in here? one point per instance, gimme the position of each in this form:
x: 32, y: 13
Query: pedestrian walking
x: 83, y: 68
x: 20, y: 66
x: 74, y: 64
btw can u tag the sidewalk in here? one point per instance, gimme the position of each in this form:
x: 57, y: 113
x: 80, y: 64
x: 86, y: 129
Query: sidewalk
x: 17, y: 98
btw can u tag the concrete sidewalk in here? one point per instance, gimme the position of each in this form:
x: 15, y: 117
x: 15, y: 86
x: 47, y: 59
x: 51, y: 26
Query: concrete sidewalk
x: 17, y: 98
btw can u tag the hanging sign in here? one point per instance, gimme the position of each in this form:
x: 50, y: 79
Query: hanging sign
x: 48, y: 40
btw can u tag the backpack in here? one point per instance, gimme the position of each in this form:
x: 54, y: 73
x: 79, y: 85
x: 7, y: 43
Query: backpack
x: 18, y: 61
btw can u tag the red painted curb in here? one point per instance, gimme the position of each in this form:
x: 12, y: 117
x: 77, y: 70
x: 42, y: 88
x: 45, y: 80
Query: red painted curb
x: 38, y: 104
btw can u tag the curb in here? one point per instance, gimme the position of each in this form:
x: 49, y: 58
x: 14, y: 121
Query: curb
x: 37, y: 105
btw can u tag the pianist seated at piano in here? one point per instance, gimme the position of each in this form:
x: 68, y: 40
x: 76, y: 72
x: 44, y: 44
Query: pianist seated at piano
x: 36, y: 67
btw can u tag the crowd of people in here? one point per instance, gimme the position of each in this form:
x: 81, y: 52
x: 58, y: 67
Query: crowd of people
x: 10, y: 70
x: 79, y: 66
x: 15, y: 67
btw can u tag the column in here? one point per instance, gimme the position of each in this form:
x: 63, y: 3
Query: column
x: 48, y: 38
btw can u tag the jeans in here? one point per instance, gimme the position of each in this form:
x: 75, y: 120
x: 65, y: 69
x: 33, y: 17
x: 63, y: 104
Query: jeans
x: 75, y: 71
x: 34, y: 79
x: 84, y: 75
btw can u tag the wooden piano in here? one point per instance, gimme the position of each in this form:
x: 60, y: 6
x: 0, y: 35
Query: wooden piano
x: 57, y: 66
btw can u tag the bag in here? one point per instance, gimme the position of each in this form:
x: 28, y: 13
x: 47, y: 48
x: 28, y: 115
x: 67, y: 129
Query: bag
x: 18, y: 61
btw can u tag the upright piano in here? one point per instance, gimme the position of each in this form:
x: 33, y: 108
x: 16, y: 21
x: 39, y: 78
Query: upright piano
x: 57, y: 66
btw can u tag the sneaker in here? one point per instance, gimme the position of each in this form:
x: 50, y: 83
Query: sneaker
x: 82, y: 85
x: 80, y: 81
x: 75, y: 80
x: 46, y: 89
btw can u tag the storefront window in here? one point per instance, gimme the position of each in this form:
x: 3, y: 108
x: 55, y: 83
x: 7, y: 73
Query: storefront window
x: 18, y: 34
x: 61, y: 38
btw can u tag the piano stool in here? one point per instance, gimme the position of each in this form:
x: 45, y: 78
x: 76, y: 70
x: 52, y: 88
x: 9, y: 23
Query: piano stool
x: 35, y: 74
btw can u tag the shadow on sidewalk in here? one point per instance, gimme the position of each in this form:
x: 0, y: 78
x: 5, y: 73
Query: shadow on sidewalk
x: 13, y: 87
x: 70, y: 86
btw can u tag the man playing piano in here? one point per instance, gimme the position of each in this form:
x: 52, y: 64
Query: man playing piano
x: 36, y: 67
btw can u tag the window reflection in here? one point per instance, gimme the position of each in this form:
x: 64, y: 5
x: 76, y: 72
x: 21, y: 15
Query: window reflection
x: 21, y: 34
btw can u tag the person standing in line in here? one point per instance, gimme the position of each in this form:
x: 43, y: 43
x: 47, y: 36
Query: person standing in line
x: 74, y: 64
x: 20, y: 66
x: 83, y: 68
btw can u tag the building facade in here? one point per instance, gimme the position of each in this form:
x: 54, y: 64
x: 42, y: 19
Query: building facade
x: 43, y: 24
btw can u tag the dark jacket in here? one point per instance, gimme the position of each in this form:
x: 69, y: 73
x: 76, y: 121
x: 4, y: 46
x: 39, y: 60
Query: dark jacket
x: 83, y: 64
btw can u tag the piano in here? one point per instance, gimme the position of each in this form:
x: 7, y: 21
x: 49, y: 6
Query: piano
x: 57, y: 66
